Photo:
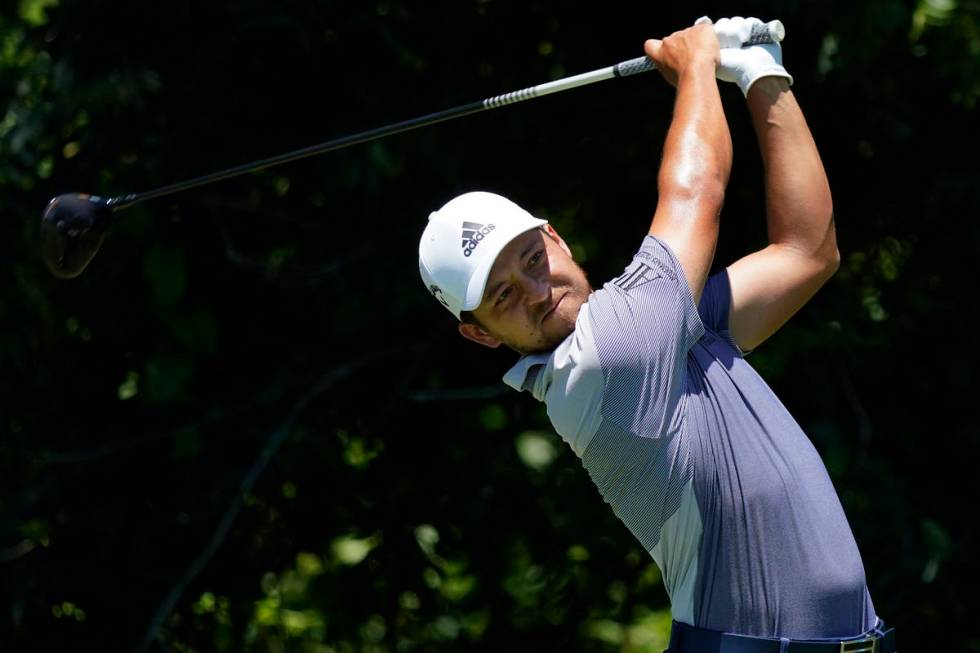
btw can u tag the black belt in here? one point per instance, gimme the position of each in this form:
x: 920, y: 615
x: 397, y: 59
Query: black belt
x: 688, y: 639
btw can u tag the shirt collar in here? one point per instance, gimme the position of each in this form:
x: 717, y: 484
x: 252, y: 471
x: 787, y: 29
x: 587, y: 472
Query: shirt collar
x: 526, y: 374
x: 534, y: 372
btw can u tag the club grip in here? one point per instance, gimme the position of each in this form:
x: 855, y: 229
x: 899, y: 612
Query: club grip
x: 634, y: 66
x: 771, y: 32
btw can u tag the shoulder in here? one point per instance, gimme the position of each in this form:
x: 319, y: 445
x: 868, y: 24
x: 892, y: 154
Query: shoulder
x: 645, y: 311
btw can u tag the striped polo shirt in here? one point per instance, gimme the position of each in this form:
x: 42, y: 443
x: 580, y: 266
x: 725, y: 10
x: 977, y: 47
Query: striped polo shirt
x: 699, y: 459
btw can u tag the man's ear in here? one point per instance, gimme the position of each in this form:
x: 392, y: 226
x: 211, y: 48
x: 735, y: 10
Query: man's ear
x: 476, y: 333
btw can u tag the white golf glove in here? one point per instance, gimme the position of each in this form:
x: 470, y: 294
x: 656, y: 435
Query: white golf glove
x: 746, y: 65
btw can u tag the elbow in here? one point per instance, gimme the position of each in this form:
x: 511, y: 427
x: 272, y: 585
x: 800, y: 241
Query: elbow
x: 829, y: 254
x: 831, y: 263
x: 820, y: 265
x: 818, y: 249
x: 712, y: 192
x: 706, y: 193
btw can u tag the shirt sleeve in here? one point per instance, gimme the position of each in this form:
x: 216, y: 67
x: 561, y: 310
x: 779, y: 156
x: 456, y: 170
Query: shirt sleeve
x: 644, y: 322
x: 715, y: 305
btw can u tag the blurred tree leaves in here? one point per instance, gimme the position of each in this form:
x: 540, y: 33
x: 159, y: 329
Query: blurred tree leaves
x: 166, y: 272
x: 34, y: 12
x: 416, y: 506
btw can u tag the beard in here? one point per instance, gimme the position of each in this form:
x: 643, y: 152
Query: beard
x: 560, y: 323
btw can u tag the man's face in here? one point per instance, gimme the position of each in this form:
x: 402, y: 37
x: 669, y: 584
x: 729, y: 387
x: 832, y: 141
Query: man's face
x: 532, y: 296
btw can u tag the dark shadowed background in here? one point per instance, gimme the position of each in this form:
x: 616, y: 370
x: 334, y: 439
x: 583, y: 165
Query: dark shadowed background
x: 248, y: 427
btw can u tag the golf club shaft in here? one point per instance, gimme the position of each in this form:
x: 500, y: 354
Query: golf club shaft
x: 626, y: 68
x: 767, y: 33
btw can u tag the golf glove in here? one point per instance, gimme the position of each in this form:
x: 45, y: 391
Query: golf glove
x: 746, y: 65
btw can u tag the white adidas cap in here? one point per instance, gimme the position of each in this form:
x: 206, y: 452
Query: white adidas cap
x: 461, y: 242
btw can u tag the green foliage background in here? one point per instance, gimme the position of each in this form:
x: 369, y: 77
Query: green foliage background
x: 247, y: 427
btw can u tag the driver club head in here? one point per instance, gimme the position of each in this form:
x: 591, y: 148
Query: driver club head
x: 73, y: 227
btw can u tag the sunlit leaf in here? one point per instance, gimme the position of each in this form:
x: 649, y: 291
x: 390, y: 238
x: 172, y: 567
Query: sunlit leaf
x: 34, y: 12
x: 205, y: 603
x: 536, y: 449
x: 350, y: 550
x: 374, y: 629
x: 427, y: 537
x: 446, y: 627
x: 358, y: 452
x: 455, y: 588
x: 129, y: 388
x: 650, y: 631
x: 605, y: 630
x: 409, y: 600
x: 309, y: 564
x: 578, y: 553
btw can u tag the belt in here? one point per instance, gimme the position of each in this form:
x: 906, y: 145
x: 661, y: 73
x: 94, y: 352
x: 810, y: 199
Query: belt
x: 688, y: 639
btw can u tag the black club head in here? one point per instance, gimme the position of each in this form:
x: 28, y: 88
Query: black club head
x: 72, y: 230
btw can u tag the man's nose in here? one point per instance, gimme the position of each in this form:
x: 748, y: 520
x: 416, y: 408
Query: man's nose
x: 538, y: 290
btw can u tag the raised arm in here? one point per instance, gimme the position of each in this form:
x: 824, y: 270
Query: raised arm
x: 770, y: 285
x: 697, y: 154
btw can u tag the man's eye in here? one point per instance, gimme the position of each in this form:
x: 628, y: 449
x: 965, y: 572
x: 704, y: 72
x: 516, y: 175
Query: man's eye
x: 534, y: 259
x: 502, y: 296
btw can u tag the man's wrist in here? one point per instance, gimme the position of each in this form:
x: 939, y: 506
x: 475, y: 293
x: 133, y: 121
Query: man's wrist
x: 749, y: 65
x: 700, y: 64
x: 768, y: 87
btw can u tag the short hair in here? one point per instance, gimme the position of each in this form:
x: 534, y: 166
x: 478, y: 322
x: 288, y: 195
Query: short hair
x: 467, y: 317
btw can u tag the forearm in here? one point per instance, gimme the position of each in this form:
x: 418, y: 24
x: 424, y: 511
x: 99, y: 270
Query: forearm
x: 696, y: 164
x: 799, y: 208
x: 697, y: 155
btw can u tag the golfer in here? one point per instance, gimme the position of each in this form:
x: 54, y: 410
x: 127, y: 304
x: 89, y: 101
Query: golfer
x: 645, y: 378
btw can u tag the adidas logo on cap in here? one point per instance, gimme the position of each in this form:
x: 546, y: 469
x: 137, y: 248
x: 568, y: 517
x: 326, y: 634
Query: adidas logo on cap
x: 473, y: 233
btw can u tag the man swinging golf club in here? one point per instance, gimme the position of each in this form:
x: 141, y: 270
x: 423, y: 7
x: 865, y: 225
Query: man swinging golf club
x: 645, y: 377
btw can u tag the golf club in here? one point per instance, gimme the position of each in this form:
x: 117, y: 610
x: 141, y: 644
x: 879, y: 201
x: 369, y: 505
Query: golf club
x: 74, y: 225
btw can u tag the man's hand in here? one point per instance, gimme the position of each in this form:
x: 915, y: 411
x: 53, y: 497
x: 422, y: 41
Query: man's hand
x: 676, y: 54
x: 746, y: 65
